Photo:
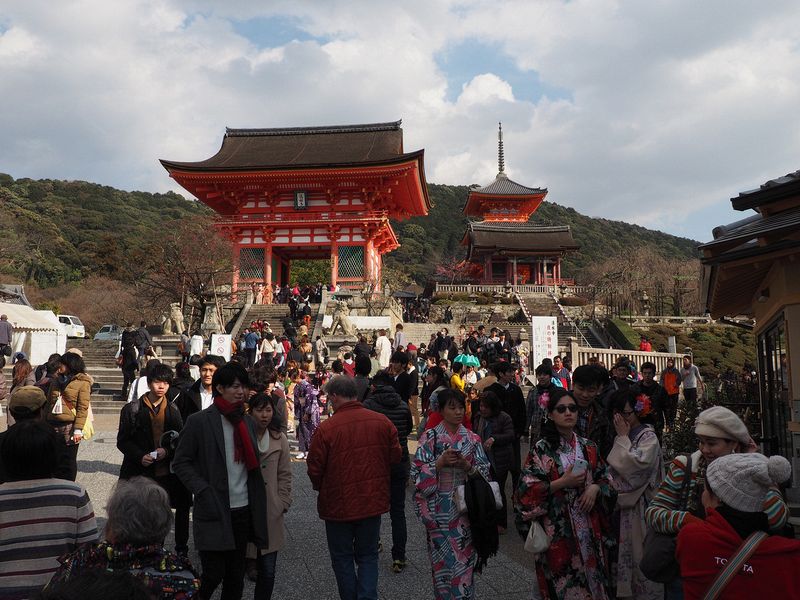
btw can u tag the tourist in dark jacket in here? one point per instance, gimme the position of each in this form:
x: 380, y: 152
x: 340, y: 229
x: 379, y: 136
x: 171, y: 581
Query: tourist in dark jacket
x: 361, y: 379
x: 513, y: 404
x: 148, y: 452
x: 384, y: 399
x: 497, y: 434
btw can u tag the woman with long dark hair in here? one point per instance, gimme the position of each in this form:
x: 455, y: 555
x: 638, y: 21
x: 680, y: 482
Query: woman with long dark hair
x: 68, y: 404
x: 22, y: 374
x: 636, y: 468
x: 276, y: 468
x: 565, y: 484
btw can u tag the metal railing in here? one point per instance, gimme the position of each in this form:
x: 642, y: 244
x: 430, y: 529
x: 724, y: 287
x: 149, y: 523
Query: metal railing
x: 568, y: 320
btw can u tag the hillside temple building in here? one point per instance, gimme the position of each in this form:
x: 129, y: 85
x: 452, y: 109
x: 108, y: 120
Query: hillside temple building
x: 503, y: 243
x: 309, y: 193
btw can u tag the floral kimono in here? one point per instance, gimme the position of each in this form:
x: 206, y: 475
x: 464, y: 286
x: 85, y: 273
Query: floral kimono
x: 306, y: 411
x: 576, y: 566
x: 637, y: 469
x: 450, y: 547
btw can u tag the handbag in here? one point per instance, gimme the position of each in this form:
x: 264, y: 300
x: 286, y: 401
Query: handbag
x: 537, y: 541
x: 735, y: 563
x: 658, y: 551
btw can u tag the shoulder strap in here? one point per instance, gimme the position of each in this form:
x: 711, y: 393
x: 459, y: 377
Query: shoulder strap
x: 735, y: 563
x: 687, y: 480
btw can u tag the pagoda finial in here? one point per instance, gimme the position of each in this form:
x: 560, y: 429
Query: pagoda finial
x: 501, y: 163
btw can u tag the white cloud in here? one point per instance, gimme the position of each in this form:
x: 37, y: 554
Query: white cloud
x: 671, y: 107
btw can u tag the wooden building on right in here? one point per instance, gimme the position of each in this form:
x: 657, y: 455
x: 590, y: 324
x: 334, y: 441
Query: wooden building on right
x: 752, y: 267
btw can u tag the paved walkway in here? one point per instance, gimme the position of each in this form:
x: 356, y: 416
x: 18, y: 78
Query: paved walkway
x: 304, y: 570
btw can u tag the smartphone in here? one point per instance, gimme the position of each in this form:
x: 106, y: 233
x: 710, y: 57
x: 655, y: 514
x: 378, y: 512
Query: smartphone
x: 580, y: 467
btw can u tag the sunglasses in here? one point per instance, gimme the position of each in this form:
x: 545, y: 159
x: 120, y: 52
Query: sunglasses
x: 562, y: 408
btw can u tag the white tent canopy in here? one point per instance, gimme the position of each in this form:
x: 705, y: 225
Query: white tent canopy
x: 37, y: 333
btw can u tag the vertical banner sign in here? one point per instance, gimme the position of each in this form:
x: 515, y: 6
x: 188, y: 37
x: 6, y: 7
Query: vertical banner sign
x: 544, y: 339
x: 221, y: 345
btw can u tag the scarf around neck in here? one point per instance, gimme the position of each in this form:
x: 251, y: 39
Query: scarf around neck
x: 242, y: 445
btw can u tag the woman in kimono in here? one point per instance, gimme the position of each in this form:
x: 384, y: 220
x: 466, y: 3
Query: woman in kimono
x: 636, y: 469
x: 306, y: 410
x: 446, y: 455
x: 565, y: 485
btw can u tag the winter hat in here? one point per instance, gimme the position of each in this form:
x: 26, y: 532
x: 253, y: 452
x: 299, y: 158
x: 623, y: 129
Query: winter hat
x: 741, y: 481
x: 720, y: 422
x: 29, y: 398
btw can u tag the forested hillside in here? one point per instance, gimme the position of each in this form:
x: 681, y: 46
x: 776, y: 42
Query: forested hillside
x: 57, y: 232
x: 429, y: 241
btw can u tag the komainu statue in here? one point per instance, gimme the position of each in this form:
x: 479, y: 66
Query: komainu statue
x: 341, y: 319
x: 173, y: 324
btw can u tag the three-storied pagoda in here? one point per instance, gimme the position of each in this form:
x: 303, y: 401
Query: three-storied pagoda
x: 309, y: 193
x: 504, y: 243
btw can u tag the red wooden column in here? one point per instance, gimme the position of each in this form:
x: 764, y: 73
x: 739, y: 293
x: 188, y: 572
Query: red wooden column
x: 369, y: 249
x: 268, y: 264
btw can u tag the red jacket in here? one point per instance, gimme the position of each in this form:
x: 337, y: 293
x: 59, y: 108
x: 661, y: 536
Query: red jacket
x: 349, y: 463
x: 704, y: 545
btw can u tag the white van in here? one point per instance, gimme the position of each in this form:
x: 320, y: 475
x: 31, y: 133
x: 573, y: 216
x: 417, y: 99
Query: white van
x: 109, y: 332
x: 73, y: 326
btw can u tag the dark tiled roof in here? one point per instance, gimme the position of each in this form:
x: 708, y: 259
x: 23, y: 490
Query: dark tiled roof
x: 774, y: 189
x: 503, y: 186
x: 519, y: 237
x: 749, y: 230
x: 515, y: 225
x: 305, y: 147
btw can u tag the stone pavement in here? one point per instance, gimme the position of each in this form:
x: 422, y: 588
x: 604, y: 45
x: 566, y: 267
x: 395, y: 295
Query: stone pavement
x: 303, y: 570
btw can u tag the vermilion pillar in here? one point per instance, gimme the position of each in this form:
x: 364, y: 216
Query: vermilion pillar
x: 268, y: 265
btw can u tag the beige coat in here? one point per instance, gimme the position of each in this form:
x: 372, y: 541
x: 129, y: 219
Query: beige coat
x: 76, y: 395
x: 276, y: 469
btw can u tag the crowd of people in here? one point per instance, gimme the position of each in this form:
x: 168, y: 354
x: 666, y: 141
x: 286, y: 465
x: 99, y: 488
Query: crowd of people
x: 210, y: 439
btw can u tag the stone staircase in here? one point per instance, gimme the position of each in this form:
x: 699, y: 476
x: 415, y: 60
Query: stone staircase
x: 274, y: 314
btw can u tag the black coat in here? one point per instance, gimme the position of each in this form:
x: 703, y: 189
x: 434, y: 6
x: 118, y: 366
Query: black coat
x: 387, y: 401
x: 135, y: 437
x: 189, y: 401
x: 513, y: 404
x: 501, y: 454
x: 200, y: 465
x: 63, y: 463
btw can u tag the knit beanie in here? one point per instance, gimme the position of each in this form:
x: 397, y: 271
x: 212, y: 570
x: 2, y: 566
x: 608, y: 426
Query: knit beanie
x: 741, y: 481
x: 720, y: 422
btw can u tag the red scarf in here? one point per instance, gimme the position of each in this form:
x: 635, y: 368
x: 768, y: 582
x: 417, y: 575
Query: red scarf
x: 242, y: 446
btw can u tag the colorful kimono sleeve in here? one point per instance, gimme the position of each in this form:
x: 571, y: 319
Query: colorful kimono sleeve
x: 534, y: 486
x: 663, y: 514
x: 635, y: 464
x: 426, y: 482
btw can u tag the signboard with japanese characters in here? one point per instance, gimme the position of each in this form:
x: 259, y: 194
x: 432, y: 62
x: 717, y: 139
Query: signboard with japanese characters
x: 544, y: 339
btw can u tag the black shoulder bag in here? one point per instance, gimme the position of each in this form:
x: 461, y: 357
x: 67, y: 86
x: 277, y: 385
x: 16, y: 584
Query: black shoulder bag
x: 658, y: 553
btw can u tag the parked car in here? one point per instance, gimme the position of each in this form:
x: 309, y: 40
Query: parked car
x: 109, y: 332
x: 73, y: 326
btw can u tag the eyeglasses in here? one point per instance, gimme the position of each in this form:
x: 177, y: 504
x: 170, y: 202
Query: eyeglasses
x: 562, y: 408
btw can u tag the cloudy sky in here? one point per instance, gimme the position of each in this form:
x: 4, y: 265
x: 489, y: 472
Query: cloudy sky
x: 651, y: 112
